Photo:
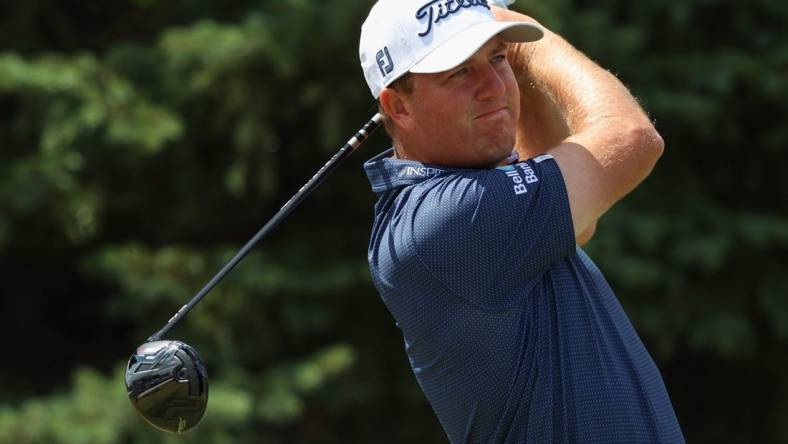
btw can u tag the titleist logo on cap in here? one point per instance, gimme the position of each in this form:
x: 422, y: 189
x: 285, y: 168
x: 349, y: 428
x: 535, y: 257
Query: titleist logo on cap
x: 436, y: 10
x: 430, y: 36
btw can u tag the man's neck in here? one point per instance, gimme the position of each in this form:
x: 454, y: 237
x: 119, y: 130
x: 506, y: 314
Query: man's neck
x: 400, y: 154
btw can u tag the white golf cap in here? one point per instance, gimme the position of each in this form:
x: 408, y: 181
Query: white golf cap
x: 429, y: 36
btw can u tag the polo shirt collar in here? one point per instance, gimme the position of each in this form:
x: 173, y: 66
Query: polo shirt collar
x: 386, y: 173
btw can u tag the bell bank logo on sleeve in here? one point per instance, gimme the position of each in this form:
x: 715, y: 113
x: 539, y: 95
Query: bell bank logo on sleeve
x: 436, y: 10
x: 520, y: 177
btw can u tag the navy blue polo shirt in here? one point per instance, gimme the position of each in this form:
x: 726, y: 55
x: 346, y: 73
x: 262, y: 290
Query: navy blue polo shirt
x: 511, y: 330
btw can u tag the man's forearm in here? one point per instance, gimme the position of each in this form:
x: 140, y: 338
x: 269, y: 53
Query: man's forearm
x: 541, y: 125
x: 609, y: 145
x: 551, y: 72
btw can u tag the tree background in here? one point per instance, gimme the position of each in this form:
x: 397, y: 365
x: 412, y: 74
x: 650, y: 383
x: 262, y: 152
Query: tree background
x: 143, y: 141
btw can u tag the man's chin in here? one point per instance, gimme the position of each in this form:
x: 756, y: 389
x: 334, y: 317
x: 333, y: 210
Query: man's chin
x: 499, y: 154
x: 497, y: 128
x: 501, y: 144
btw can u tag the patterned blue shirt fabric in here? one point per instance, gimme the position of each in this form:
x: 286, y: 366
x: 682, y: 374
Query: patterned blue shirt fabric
x: 511, y: 330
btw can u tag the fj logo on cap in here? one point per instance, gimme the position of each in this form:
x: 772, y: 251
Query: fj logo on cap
x: 385, y: 63
x: 436, y: 10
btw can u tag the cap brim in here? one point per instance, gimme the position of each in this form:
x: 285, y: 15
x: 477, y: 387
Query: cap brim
x: 463, y: 45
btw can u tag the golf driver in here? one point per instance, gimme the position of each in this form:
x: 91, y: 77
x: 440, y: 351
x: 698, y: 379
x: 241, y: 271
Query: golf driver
x: 166, y: 380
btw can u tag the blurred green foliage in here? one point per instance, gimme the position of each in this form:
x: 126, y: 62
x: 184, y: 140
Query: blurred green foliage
x: 142, y: 143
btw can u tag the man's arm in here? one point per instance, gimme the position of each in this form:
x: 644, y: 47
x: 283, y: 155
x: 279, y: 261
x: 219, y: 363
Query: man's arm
x: 586, y: 236
x: 607, y: 145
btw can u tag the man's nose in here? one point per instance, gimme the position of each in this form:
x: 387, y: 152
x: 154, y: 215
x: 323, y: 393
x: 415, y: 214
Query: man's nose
x: 491, y: 84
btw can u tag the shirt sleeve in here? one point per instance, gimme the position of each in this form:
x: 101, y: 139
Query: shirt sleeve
x: 485, y: 234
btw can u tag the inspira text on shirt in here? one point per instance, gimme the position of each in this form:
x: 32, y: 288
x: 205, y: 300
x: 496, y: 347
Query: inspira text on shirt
x: 421, y: 171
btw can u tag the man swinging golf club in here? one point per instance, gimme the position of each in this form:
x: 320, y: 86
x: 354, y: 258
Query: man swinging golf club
x: 509, y: 145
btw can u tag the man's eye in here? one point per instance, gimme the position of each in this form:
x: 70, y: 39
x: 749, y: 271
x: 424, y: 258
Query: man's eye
x: 499, y: 58
x: 459, y: 72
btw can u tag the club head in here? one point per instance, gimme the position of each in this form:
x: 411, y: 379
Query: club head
x: 167, y: 383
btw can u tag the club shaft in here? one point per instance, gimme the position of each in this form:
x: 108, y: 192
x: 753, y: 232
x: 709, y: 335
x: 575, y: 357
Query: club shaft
x: 346, y: 150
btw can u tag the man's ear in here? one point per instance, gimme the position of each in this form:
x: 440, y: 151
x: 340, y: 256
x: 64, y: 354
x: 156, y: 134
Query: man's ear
x: 397, y: 108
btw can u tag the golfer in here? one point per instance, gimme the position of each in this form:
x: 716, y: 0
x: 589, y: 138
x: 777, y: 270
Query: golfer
x: 508, y: 145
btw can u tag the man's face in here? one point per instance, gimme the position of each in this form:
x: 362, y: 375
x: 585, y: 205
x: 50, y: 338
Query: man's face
x: 466, y: 117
